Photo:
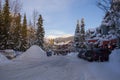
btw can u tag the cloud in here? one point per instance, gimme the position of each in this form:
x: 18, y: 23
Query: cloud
x: 56, y: 33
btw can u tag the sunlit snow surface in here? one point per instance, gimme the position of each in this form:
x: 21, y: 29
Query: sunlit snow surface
x: 60, y: 67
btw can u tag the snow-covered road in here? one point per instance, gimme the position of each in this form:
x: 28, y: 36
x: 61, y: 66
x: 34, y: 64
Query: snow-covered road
x: 58, y: 68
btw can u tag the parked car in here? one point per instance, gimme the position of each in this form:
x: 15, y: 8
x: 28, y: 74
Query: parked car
x: 97, y: 54
x: 82, y: 54
x: 89, y: 55
x: 49, y: 53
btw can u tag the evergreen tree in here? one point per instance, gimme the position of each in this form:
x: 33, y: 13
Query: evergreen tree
x: 17, y: 32
x: 1, y: 27
x: 82, y: 30
x: 24, y: 34
x: 40, y: 32
x: 6, y: 25
x: 82, y: 34
x: 77, y: 36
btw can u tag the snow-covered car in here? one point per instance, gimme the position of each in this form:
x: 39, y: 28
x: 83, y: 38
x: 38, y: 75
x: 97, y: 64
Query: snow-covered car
x: 82, y: 54
x: 101, y: 54
x: 98, y: 54
x: 86, y: 54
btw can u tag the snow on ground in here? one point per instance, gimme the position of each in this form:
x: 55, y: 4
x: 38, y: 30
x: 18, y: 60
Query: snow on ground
x: 115, y: 56
x: 115, y: 60
x: 3, y: 59
x: 32, y: 53
x: 60, y: 68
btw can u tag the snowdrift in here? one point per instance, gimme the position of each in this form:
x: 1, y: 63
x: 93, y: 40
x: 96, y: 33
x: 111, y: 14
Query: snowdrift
x: 3, y: 59
x: 34, y: 52
x: 115, y: 56
x: 114, y: 62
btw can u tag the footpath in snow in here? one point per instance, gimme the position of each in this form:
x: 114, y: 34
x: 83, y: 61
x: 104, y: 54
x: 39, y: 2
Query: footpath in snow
x: 35, y: 65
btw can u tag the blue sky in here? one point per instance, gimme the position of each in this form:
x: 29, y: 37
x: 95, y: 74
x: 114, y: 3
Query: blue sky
x: 60, y: 16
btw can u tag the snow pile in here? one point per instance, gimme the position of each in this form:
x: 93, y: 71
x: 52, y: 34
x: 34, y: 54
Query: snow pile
x: 115, y: 56
x: 3, y: 59
x: 115, y: 60
x: 34, y: 52
x: 61, y: 68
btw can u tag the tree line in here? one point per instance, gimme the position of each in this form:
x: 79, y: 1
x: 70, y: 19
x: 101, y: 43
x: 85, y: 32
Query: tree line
x: 14, y: 30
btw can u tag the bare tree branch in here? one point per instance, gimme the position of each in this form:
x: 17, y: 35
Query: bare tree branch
x: 15, y: 6
x: 104, y: 4
x: 35, y: 15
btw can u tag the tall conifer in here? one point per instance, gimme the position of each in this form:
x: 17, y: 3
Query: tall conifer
x: 40, y: 32
x: 1, y: 26
x: 6, y: 24
x: 17, y: 32
x: 24, y: 34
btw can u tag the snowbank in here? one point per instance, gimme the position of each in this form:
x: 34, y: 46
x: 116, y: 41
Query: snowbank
x: 115, y: 56
x: 115, y: 60
x: 60, y: 68
x: 72, y: 54
x: 34, y: 52
x: 3, y: 59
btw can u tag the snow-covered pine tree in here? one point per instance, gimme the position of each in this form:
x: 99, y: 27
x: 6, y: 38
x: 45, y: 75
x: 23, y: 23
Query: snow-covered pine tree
x: 40, y: 32
x: 1, y: 27
x: 111, y: 21
x: 17, y: 32
x: 82, y: 30
x: 116, y: 14
x: 6, y: 25
x: 82, y: 34
x: 77, y: 36
x: 24, y: 34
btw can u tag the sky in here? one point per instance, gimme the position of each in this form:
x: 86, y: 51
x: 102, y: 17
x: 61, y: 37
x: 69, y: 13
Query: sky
x: 60, y: 16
